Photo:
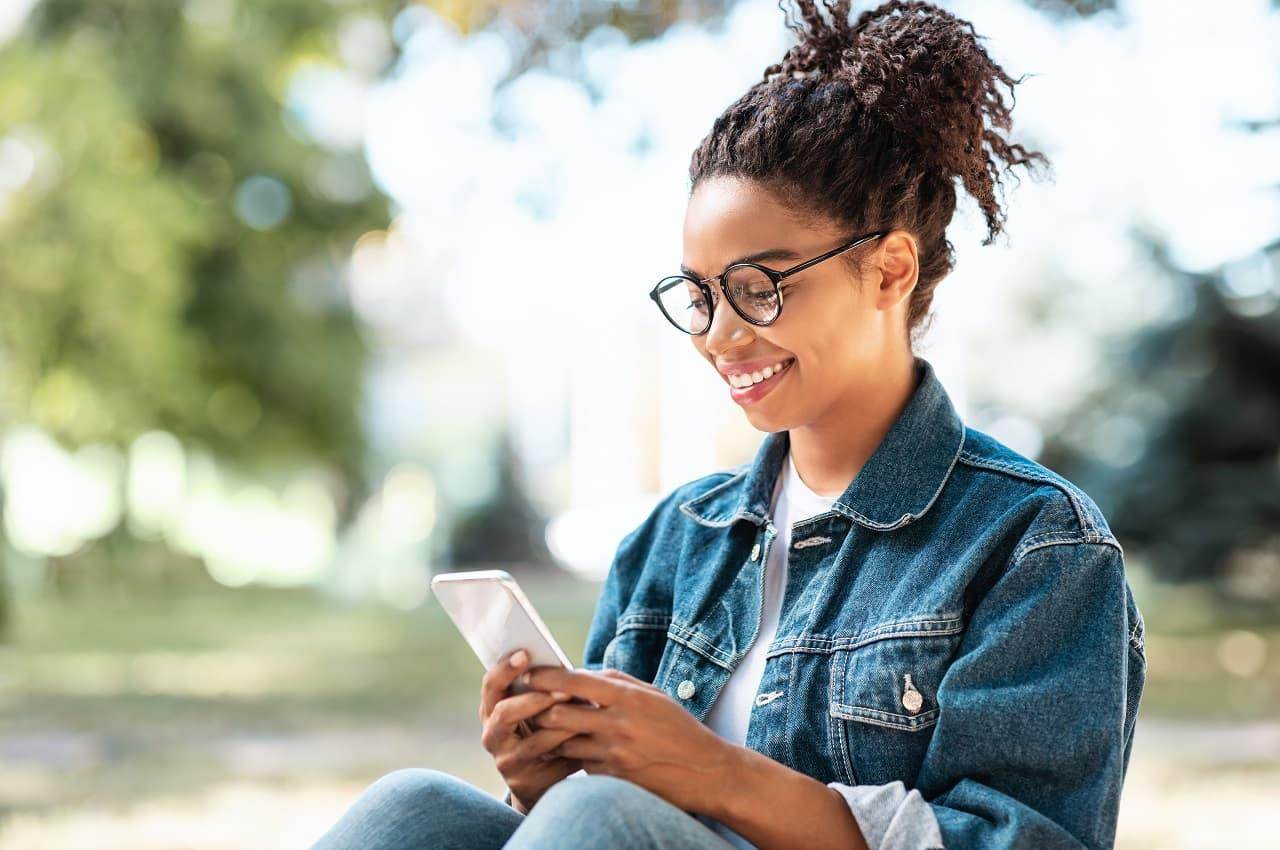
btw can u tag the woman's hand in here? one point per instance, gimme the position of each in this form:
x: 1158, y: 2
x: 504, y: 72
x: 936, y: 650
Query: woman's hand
x: 520, y: 759
x: 637, y: 732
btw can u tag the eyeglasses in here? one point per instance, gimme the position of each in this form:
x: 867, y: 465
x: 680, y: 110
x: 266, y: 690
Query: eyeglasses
x: 751, y: 289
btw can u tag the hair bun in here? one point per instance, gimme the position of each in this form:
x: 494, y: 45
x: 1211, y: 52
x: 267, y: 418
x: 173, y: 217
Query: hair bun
x: 922, y: 71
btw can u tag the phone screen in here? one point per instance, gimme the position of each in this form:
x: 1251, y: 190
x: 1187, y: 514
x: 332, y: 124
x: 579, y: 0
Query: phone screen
x: 495, y: 617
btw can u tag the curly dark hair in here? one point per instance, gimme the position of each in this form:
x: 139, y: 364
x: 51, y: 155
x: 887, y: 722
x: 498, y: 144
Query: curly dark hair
x: 866, y: 125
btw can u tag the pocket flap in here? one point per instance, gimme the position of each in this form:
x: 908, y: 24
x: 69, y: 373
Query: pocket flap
x: 891, y: 682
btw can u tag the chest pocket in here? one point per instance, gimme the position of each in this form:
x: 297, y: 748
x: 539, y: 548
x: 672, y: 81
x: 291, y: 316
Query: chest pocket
x: 883, y: 698
x: 637, y: 645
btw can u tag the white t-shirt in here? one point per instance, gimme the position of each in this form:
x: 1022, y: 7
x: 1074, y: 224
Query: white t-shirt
x: 793, y: 502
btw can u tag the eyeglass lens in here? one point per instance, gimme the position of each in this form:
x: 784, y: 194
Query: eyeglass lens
x: 750, y: 290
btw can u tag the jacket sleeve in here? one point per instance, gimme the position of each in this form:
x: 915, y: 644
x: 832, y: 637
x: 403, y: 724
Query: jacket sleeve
x: 891, y: 817
x: 1037, y: 712
x: 628, y: 559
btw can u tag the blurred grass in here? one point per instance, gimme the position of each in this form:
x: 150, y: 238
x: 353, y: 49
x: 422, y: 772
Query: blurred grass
x: 121, y: 698
x: 126, y: 707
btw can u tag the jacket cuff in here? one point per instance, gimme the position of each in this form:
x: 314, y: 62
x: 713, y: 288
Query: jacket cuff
x: 891, y: 817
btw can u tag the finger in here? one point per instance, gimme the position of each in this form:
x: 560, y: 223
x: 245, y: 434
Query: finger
x: 588, y: 684
x: 549, y: 772
x: 498, y: 678
x: 577, y: 717
x: 511, y: 710
x: 584, y: 747
x: 537, y: 746
x: 537, y: 773
x: 503, y: 723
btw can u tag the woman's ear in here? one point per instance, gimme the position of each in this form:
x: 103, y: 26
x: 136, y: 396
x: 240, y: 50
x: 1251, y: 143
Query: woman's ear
x: 898, y: 262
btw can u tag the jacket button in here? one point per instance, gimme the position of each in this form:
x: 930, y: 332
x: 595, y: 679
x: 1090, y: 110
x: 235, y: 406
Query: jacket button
x: 685, y: 689
x: 755, y: 551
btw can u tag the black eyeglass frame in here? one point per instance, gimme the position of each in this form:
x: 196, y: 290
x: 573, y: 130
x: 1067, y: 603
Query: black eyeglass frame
x: 773, y: 274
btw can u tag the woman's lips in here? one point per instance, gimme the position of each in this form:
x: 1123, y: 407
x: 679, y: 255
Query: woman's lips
x: 755, y: 392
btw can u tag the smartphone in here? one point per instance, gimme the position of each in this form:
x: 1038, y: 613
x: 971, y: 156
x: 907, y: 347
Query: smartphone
x: 495, y: 617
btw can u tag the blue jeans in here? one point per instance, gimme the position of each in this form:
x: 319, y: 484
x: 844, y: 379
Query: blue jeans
x: 425, y: 808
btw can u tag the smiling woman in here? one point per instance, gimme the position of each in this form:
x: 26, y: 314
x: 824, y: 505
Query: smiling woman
x: 889, y: 626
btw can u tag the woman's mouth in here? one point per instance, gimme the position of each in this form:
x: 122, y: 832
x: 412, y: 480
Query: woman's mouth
x: 750, y: 388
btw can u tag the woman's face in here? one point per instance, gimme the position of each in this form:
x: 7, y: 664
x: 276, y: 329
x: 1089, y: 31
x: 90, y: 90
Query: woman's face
x: 833, y: 336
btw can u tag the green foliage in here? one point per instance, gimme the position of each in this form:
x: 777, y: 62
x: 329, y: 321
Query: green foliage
x: 133, y: 294
x: 1180, y: 446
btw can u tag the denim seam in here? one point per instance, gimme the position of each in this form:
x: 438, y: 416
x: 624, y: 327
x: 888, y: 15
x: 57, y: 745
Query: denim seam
x: 908, y: 517
x: 644, y: 619
x: 1137, y: 638
x: 938, y: 625
x: 825, y: 515
x: 666, y: 674
x: 838, y: 740
x: 688, y: 507
x: 693, y: 640
x: 1086, y: 524
x: 887, y: 719
x: 1049, y: 538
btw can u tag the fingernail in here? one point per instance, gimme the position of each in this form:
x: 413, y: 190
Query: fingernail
x: 559, y: 695
x: 519, y: 658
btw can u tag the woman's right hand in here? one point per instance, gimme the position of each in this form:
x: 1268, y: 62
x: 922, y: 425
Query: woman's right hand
x: 517, y: 758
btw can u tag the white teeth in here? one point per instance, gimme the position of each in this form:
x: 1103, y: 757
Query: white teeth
x: 767, y: 372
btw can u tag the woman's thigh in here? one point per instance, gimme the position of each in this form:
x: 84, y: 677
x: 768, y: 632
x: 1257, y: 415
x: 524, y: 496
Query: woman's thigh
x: 602, y: 812
x: 420, y: 807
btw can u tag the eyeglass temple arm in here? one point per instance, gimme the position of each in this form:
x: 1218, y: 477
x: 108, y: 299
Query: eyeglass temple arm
x: 861, y: 240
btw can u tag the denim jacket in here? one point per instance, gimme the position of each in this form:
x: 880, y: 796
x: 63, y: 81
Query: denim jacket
x: 957, y: 635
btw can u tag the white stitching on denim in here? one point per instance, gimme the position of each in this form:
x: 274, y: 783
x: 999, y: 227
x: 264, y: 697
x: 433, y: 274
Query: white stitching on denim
x: 1031, y: 474
x: 689, y: 506
x: 1137, y: 637
x: 837, y: 735
x: 765, y: 699
x: 887, y: 719
x: 811, y: 541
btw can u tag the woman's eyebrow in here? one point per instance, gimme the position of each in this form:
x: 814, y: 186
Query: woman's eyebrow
x: 758, y: 256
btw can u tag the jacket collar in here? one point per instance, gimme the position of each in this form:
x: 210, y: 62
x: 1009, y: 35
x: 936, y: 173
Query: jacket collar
x: 898, y: 484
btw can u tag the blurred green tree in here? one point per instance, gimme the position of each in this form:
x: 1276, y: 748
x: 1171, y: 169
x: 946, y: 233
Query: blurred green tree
x: 173, y: 258
x: 1181, y: 444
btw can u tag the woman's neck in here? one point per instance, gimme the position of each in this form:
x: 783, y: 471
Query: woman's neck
x: 830, y: 452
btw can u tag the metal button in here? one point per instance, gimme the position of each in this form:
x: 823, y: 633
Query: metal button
x: 755, y: 551
x: 911, y: 699
x: 685, y: 689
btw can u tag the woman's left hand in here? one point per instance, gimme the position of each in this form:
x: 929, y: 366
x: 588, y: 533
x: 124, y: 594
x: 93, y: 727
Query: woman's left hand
x: 638, y: 733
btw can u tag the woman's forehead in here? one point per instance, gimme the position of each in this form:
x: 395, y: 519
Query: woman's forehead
x: 729, y: 219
